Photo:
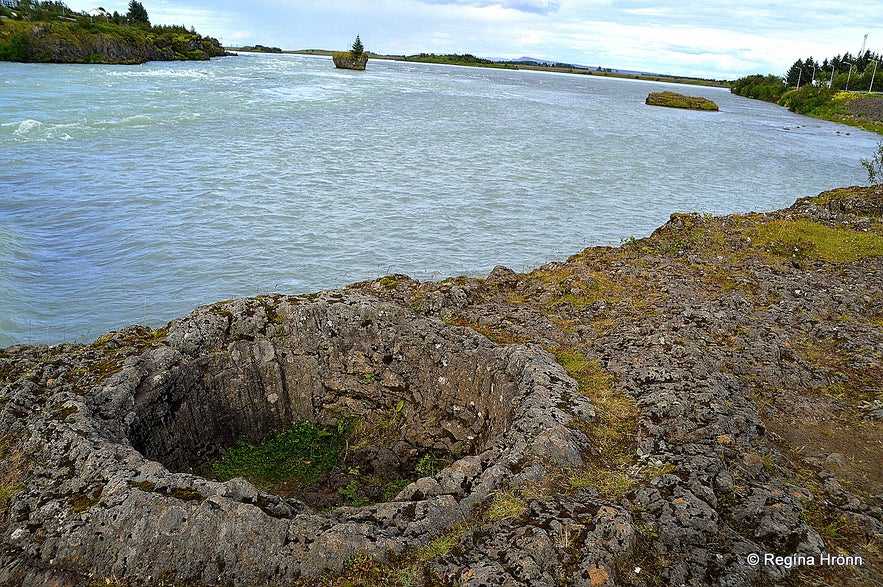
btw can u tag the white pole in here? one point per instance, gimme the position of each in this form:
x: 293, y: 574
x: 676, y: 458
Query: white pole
x: 870, y: 87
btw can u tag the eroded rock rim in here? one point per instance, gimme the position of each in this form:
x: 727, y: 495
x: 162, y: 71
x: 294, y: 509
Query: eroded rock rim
x: 245, y: 369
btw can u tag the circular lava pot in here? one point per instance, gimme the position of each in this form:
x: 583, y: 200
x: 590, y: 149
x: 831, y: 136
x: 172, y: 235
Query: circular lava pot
x: 434, y: 420
x: 406, y: 394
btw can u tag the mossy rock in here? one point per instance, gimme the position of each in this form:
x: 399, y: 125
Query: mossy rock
x: 82, y: 41
x: 867, y: 201
x: 344, y: 60
x: 675, y: 100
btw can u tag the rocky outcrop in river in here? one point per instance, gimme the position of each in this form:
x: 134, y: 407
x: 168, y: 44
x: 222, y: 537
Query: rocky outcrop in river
x: 70, y: 42
x: 675, y: 100
x: 345, y: 60
x: 656, y: 413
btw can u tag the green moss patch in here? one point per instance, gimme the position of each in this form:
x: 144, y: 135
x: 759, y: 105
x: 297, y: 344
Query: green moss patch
x: 675, y: 100
x: 613, y: 429
x: 82, y: 501
x: 803, y: 238
x: 302, y: 453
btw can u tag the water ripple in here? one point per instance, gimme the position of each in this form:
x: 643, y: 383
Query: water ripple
x: 132, y: 194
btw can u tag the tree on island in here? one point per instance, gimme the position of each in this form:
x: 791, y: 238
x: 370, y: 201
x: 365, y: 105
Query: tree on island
x: 357, y: 49
x: 137, y: 13
x: 356, y: 58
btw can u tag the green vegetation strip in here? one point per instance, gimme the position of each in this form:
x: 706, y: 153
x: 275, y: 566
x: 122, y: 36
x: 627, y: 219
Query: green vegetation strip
x: 12, y: 466
x: 35, y: 32
x: 612, y: 431
x: 807, y: 239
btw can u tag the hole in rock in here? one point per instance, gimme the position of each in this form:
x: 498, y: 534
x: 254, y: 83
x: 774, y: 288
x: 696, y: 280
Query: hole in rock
x: 379, y: 398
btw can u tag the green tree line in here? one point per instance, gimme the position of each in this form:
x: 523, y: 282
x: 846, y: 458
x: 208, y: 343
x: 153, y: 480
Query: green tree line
x: 839, y: 73
x: 848, y: 72
x: 819, y: 89
x: 77, y: 32
x: 451, y: 59
x: 54, y: 11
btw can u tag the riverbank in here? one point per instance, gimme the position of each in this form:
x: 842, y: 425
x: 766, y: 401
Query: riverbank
x: 731, y: 367
x: 861, y: 110
x: 857, y: 109
x: 84, y: 41
x: 471, y: 61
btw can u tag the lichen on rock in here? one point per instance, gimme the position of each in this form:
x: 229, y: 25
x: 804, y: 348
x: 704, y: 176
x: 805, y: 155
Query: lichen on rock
x: 137, y: 441
x: 661, y: 409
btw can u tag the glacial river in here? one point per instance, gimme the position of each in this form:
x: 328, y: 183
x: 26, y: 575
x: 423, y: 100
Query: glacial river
x: 134, y: 194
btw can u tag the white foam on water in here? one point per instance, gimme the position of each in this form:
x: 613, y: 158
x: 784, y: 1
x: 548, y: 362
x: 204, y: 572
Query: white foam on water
x: 140, y: 192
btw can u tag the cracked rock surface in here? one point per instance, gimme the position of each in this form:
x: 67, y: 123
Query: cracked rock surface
x: 651, y: 414
x: 115, y: 483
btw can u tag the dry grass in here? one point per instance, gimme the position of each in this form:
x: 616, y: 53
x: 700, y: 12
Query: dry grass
x: 614, y: 427
x: 504, y: 506
x: 609, y: 483
x: 12, y: 467
x: 612, y: 431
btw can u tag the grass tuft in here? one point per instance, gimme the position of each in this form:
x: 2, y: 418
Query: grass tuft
x: 609, y: 483
x: 443, y: 544
x: 614, y: 428
x: 504, y: 506
x: 304, y: 453
x: 12, y: 467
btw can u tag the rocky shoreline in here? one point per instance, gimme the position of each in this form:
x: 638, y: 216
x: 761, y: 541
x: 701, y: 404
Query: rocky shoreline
x: 651, y: 414
x: 68, y: 42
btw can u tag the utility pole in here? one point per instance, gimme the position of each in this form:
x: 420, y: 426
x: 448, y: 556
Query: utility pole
x: 871, y: 87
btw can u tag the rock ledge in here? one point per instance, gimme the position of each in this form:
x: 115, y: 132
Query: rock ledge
x: 648, y: 414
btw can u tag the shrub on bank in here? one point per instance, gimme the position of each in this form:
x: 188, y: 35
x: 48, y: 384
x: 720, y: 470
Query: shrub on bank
x: 85, y: 41
x: 808, y: 99
x: 768, y: 88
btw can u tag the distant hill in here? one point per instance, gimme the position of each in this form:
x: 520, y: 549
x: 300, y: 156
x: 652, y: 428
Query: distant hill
x: 258, y: 49
x: 531, y: 59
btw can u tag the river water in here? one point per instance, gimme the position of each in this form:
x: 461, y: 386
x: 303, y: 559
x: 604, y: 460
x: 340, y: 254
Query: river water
x: 134, y: 194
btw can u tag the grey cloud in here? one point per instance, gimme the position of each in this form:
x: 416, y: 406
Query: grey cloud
x: 532, y: 6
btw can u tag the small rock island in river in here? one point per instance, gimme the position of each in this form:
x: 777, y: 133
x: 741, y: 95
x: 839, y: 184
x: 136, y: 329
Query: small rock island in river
x: 675, y: 100
x: 355, y: 58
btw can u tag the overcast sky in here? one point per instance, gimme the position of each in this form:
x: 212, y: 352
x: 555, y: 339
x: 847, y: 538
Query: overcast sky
x: 683, y: 37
